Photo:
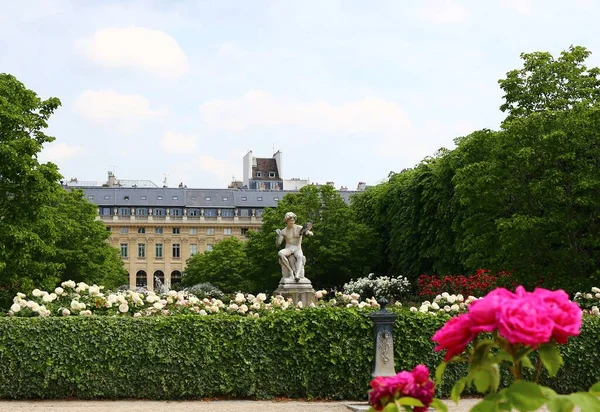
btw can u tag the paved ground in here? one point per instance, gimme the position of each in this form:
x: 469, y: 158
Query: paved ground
x: 191, y: 406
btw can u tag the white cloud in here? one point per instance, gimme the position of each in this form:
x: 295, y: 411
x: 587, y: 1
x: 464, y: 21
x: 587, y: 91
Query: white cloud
x: 445, y: 11
x: 258, y: 108
x: 60, y: 151
x: 136, y: 47
x: 521, y: 6
x: 125, y: 111
x: 177, y: 143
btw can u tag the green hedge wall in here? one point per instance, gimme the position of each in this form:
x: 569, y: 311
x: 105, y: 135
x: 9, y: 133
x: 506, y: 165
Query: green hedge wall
x: 320, y: 353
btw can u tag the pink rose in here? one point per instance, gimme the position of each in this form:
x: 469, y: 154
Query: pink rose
x: 420, y: 373
x: 525, y: 320
x: 483, y: 311
x: 385, y: 388
x: 565, y: 314
x: 455, y: 335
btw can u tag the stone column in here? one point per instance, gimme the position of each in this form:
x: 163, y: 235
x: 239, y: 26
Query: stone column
x: 383, y: 363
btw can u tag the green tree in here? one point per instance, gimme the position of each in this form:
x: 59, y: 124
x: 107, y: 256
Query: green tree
x: 226, y: 267
x: 46, y: 234
x: 341, y: 249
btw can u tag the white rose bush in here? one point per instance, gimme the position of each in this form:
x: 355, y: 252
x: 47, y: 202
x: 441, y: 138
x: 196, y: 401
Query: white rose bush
x: 391, y: 288
x: 80, y: 299
x: 445, y: 303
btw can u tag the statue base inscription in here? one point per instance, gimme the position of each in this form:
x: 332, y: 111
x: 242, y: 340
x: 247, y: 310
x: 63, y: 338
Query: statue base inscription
x: 300, y: 290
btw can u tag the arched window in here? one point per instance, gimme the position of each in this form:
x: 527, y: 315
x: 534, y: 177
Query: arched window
x: 141, y: 279
x: 175, y: 277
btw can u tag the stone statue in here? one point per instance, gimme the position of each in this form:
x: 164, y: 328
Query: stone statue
x: 291, y: 258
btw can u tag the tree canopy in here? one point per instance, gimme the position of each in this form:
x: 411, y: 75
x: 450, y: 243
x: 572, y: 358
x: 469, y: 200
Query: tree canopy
x: 46, y: 233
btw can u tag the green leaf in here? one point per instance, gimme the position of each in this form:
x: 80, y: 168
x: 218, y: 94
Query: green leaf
x: 586, y: 401
x: 457, y: 389
x: 439, y: 373
x: 392, y: 407
x: 560, y: 404
x: 526, y: 362
x: 494, y: 377
x: 595, y: 389
x: 486, y: 405
x: 438, y: 405
x: 551, y: 358
x: 525, y: 396
x: 408, y: 401
x: 482, y: 380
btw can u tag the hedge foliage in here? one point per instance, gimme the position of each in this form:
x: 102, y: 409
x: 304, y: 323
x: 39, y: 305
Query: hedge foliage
x: 319, y: 353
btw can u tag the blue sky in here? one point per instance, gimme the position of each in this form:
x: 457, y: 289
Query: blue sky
x: 347, y: 90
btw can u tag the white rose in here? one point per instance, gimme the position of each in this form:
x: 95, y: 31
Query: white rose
x: 137, y: 314
x: 285, y: 305
x: 244, y: 308
x: 68, y: 284
x: 49, y: 298
x: 300, y: 304
x: 59, y: 291
x: 94, y: 290
x: 445, y: 295
x: 66, y: 312
x: 447, y: 308
x: 37, y: 293
x: 123, y: 308
x: 597, y: 295
x: 255, y: 306
x: 21, y: 295
x: 595, y: 310
x: 595, y: 290
x: 413, y: 309
x: 172, y: 293
x: 33, y: 306
x: 318, y: 294
x: 587, y: 296
x: 15, y: 307
x: 158, y: 305
x: 455, y: 307
x: 250, y: 297
x: 435, y: 306
x: 202, y: 312
x: 233, y: 306
x: 239, y: 298
x: 169, y: 300
x: 355, y: 296
x: 262, y: 297
x: 86, y: 313
x: 438, y: 297
x: 451, y: 299
x: 424, y: 309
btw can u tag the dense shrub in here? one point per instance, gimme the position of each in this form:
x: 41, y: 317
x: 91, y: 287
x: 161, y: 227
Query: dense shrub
x: 318, y: 352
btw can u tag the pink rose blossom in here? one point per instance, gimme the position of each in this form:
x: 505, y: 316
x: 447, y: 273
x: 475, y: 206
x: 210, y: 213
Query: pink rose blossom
x: 525, y: 320
x: 415, y: 384
x: 483, y: 311
x: 420, y: 373
x: 455, y: 335
x: 565, y: 314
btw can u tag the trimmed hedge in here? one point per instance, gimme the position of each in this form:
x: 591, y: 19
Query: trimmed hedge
x: 320, y: 353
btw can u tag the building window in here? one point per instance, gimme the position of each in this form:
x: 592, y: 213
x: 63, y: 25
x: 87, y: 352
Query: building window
x: 227, y: 212
x: 245, y: 212
x: 141, y: 230
x: 276, y: 199
x: 159, y: 198
x: 158, y: 230
x: 143, y: 197
x: 176, y: 250
x: 141, y: 211
x: 176, y: 230
x: 244, y: 198
x: 207, y: 198
x: 193, y: 197
x: 194, y: 212
x: 210, y: 212
x: 141, y: 279
x: 125, y: 197
x: 124, y: 230
x: 271, y: 174
x: 177, y: 212
x: 141, y: 250
x: 210, y: 231
x: 209, y: 247
x: 227, y: 231
x: 193, y: 231
x: 224, y: 199
x: 108, y: 229
x: 105, y: 211
x: 259, y: 199
x: 160, y: 212
x: 193, y: 249
x: 91, y: 197
x: 175, y: 197
x: 175, y: 277
x: 244, y: 231
x: 258, y: 174
x: 159, y: 280
x: 106, y: 197
x: 124, y: 211
x: 124, y: 250
x: 259, y: 212
x: 159, y: 250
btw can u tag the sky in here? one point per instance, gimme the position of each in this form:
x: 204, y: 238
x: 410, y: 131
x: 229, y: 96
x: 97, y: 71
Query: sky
x: 347, y: 90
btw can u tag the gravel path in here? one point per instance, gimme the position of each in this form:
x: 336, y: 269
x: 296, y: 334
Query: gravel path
x: 191, y: 406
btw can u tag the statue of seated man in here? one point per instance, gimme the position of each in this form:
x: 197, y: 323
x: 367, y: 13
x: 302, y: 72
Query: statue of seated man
x: 291, y: 258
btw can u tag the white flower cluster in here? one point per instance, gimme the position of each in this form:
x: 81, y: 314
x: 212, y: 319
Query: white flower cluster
x: 380, y: 287
x: 83, y: 300
x: 445, y: 303
x: 589, y: 302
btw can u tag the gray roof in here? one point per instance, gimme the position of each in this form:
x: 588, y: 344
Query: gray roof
x: 190, y: 198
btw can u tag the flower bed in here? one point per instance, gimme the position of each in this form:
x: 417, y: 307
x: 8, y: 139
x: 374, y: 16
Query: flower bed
x: 478, y: 284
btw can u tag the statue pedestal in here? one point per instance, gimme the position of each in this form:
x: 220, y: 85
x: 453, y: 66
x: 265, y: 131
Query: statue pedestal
x: 299, y: 291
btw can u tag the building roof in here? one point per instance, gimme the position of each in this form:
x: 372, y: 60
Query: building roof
x: 190, y: 198
x: 266, y: 166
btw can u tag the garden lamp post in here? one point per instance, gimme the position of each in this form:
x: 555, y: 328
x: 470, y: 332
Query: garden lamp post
x: 383, y: 364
